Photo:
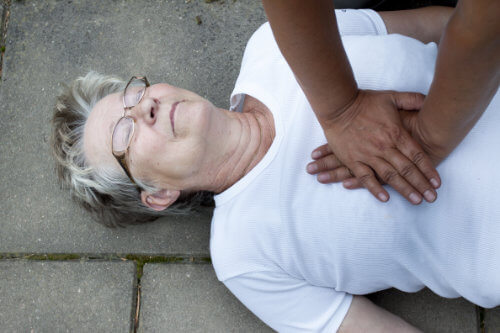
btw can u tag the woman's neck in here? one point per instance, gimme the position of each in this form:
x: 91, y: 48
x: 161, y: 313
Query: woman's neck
x: 254, y: 135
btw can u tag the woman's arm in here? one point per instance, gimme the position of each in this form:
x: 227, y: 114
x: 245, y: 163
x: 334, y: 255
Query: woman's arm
x: 288, y: 304
x: 364, y: 316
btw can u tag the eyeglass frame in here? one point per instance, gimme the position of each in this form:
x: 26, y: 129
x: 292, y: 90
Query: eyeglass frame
x: 120, y: 156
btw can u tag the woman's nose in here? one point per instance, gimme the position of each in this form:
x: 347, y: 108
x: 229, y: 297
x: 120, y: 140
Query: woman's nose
x: 147, y: 109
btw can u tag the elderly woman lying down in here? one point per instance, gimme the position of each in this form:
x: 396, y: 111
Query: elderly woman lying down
x: 294, y: 251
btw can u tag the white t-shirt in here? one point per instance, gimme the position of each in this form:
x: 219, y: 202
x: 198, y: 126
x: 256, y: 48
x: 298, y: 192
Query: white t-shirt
x: 294, y: 250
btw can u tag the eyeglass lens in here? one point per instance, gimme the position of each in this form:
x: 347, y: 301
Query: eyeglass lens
x: 122, y: 134
x: 125, y: 127
x: 134, y: 92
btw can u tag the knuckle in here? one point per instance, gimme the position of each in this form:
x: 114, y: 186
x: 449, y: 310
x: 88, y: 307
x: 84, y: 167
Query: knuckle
x: 330, y: 162
x: 321, y: 164
x: 408, y: 170
x: 334, y: 176
x: 365, y: 179
x: 380, y: 180
x: 345, y: 173
x: 418, y: 158
x: 389, y: 175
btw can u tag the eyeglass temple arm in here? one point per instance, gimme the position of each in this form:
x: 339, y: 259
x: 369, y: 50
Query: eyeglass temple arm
x: 121, y: 160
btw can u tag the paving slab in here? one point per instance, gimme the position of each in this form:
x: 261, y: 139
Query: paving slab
x: 50, y: 296
x: 49, y: 42
x: 492, y: 320
x: 189, y: 298
x: 429, y: 312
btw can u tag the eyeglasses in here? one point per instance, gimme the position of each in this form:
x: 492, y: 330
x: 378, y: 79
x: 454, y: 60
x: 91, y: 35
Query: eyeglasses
x: 124, y: 128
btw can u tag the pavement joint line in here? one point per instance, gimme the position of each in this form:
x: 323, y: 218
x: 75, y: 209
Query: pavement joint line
x: 136, y: 301
x: 3, y: 30
x: 136, y: 306
x: 481, y: 313
x: 140, y: 259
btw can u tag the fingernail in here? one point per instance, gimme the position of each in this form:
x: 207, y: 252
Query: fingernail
x: 429, y: 196
x: 434, y: 182
x: 415, y: 198
x: 316, y: 154
x: 323, y: 177
x: 312, y: 167
x: 347, y: 183
x: 382, y: 196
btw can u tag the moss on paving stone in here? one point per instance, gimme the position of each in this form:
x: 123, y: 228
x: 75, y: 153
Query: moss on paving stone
x: 3, y: 28
x: 149, y: 259
x: 44, y: 256
x: 206, y: 260
x: 141, y: 260
x: 140, y: 272
x: 144, y: 259
x: 153, y: 259
x: 52, y: 256
x: 481, y: 313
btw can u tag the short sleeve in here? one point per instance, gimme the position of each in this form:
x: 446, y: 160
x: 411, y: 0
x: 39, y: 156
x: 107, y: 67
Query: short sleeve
x: 360, y: 22
x: 288, y: 304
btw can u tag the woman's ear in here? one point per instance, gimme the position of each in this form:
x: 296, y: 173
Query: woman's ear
x: 159, y: 200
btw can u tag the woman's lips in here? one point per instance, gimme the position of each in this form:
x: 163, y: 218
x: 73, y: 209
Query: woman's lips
x: 172, y: 111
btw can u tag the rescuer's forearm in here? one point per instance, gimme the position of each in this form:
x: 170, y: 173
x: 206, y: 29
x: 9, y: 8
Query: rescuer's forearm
x: 426, y: 24
x: 308, y: 37
x: 466, y: 78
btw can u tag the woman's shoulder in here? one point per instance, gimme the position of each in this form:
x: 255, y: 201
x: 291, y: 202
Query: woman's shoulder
x: 263, y: 32
x: 262, y: 49
x: 241, y: 238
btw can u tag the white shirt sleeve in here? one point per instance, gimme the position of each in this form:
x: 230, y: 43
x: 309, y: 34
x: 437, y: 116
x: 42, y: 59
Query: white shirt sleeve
x: 360, y: 22
x: 288, y: 304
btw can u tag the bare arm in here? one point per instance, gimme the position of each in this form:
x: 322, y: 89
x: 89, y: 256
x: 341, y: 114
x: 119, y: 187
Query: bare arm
x: 364, y: 316
x: 466, y: 79
x: 309, y: 39
x: 362, y: 127
x: 426, y: 24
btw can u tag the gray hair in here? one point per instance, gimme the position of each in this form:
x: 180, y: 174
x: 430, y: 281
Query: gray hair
x: 106, y: 192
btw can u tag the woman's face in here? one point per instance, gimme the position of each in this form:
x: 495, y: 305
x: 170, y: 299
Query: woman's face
x: 173, y: 129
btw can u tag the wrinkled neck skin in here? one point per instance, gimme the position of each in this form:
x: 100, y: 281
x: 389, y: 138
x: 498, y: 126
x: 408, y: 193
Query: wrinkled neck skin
x: 252, y: 133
